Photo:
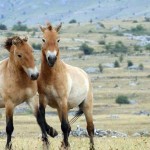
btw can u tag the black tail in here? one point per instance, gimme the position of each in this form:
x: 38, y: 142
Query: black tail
x: 77, y: 115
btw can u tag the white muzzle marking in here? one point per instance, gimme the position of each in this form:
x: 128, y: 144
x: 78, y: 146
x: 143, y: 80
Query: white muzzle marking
x: 51, y: 54
x: 31, y: 71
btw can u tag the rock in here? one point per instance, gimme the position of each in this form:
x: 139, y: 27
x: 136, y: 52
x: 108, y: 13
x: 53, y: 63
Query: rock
x: 133, y: 67
x: 142, y: 133
x: 132, y: 102
x: 2, y: 134
x: 114, y: 116
x: 108, y: 65
x: 142, y: 112
x: 22, y: 108
x: 91, y: 70
x: 136, y: 134
x: 98, y: 132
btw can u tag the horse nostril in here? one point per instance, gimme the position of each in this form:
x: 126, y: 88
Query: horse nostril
x: 34, y: 76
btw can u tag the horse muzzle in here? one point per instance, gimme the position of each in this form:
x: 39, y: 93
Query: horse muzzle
x: 51, y: 61
x: 34, y: 76
x: 32, y: 73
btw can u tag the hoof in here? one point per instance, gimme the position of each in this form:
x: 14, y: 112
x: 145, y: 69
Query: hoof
x: 8, y: 146
x: 52, y: 132
x: 63, y: 147
x: 91, y: 147
x: 46, y: 145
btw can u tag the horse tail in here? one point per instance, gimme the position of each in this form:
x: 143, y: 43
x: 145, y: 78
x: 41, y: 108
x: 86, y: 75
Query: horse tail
x: 77, y: 115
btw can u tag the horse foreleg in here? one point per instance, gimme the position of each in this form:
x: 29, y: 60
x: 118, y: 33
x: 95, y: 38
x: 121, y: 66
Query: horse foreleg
x: 50, y: 130
x: 65, y: 126
x: 34, y: 105
x: 9, y: 124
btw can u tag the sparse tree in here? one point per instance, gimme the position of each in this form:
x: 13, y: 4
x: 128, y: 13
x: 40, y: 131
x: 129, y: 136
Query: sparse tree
x: 116, y: 64
x: 100, y: 68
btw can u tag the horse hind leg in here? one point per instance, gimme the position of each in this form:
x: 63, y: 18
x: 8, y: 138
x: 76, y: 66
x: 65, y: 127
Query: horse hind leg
x: 87, y: 107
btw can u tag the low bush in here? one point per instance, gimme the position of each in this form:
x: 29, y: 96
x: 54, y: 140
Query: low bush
x: 121, y: 99
x: 116, y: 64
x: 141, y: 67
x: 36, y: 46
x: 119, y: 47
x: 129, y: 63
x: 101, y: 42
x: 19, y: 27
x: 73, y: 21
x: 100, y: 68
x: 3, y: 27
x: 86, y: 49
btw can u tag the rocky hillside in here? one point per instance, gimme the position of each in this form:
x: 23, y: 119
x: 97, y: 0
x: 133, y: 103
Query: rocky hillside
x: 32, y: 12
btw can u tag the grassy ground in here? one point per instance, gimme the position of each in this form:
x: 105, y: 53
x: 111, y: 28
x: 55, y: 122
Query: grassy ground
x: 106, y: 87
x: 82, y: 143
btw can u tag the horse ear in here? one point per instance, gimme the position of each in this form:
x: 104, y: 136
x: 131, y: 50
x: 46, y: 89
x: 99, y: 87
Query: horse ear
x: 49, y: 26
x: 25, y: 39
x: 42, y: 28
x: 58, y: 27
x: 14, y: 42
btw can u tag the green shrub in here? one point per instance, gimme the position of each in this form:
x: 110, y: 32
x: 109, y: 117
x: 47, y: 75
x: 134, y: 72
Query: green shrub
x: 3, y: 27
x: 138, y: 30
x: 147, y: 19
x: 9, y: 34
x: 121, y: 99
x: 73, y: 21
x: 19, y: 27
x: 141, y: 67
x: 86, y: 49
x: 119, y: 47
x: 116, y: 64
x: 102, y: 42
x: 129, y: 63
x: 137, y: 48
x: 118, y: 33
x: 147, y: 47
x: 36, y: 46
x: 121, y: 58
x: 100, y: 68
x: 135, y: 21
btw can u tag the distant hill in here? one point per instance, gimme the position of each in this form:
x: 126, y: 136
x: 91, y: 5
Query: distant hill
x: 33, y: 12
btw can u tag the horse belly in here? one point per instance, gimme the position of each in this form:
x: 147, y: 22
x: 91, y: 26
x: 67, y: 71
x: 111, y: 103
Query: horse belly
x: 76, y: 98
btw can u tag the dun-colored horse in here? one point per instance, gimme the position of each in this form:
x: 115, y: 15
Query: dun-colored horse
x: 62, y: 86
x: 17, y: 80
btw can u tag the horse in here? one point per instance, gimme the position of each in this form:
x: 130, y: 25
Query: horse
x: 18, y: 75
x: 62, y: 86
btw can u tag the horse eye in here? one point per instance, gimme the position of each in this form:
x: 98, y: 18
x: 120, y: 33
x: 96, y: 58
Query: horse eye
x: 58, y: 40
x: 19, y: 56
x: 43, y: 40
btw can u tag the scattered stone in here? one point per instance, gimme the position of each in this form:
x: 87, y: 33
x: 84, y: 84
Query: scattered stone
x: 136, y: 134
x: 108, y: 65
x: 92, y: 70
x: 142, y: 134
x: 133, y: 67
x: 143, y: 39
x: 132, y: 102
x: 22, y: 109
x: 114, y: 116
x: 2, y: 134
x: 98, y: 132
x: 143, y: 112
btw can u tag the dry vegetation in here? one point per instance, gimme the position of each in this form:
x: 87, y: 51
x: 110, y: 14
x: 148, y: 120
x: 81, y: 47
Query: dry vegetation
x: 107, y: 86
